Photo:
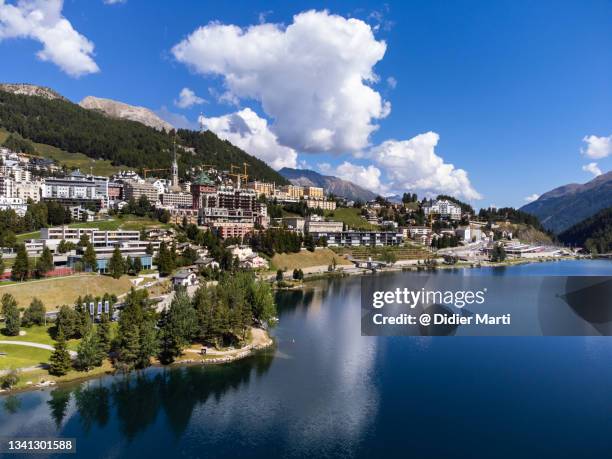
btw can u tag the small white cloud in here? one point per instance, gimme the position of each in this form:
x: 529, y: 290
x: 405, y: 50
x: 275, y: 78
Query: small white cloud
x: 42, y: 20
x: 414, y: 165
x: 593, y: 168
x: 188, y: 98
x: 311, y: 77
x: 597, y: 147
x: 532, y: 197
x: 114, y: 2
x: 392, y: 82
x: 248, y: 131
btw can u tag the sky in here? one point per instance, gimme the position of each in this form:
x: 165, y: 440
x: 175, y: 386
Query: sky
x: 492, y: 102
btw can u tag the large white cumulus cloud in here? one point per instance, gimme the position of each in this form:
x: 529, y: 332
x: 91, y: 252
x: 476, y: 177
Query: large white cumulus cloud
x: 368, y: 177
x: 247, y: 130
x: 310, y: 77
x: 414, y: 165
x: 42, y: 20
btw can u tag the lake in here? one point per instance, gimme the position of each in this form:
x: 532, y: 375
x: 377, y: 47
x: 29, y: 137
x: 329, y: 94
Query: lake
x: 325, y: 390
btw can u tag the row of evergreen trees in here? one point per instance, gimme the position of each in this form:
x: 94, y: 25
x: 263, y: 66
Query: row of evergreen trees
x: 276, y: 240
x: 216, y: 315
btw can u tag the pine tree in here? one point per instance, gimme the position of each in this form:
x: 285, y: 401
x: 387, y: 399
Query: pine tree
x: 68, y: 320
x: 88, y: 353
x: 262, y: 303
x: 129, y: 347
x: 148, y: 343
x: 203, y: 304
x: 44, y: 263
x: 21, y: 267
x: 34, y: 314
x: 116, y: 265
x: 104, y: 336
x: 129, y: 265
x: 83, y: 241
x: 89, y: 258
x: 59, y: 362
x: 178, y: 327
x: 12, y: 321
x: 164, y: 261
x: 137, y: 336
x: 166, y: 343
x: 137, y: 265
x: 2, y: 266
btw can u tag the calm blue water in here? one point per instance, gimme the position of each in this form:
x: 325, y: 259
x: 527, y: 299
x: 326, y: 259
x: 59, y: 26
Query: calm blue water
x: 327, y: 391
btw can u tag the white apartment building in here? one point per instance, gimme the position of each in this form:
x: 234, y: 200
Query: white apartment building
x: 96, y: 236
x: 29, y: 190
x: 7, y: 186
x: 76, y: 186
x: 15, y: 204
x: 444, y: 209
x: 315, y: 224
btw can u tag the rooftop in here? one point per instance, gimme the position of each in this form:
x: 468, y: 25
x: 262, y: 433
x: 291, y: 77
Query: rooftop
x: 203, y: 179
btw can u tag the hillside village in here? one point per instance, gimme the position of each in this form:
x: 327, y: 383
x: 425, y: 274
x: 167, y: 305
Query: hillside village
x: 81, y: 250
x: 226, y: 205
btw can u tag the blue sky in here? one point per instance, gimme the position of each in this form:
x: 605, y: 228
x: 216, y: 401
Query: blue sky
x: 480, y: 99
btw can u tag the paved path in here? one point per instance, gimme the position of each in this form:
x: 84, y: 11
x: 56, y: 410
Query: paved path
x: 47, y: 347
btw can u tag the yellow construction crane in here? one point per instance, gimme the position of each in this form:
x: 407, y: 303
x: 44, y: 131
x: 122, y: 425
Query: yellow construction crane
x: 239, y: 176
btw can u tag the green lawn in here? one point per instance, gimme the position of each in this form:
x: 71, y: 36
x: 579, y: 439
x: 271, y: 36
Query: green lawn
x: 351, y: 217
x: 39, y: 334
x: 23, y: 236
x: 21, y: 356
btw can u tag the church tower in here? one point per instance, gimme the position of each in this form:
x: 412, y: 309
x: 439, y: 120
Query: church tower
x: 175, y: 179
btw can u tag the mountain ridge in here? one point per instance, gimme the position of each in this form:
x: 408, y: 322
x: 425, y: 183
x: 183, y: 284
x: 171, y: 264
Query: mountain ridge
x: 331, y: 184
x: 567, y: 205
x: 27, y: 89
x: 121, y: 110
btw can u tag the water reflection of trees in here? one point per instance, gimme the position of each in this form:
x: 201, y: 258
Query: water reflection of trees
x: 290, y: 301
x: 139, y: 398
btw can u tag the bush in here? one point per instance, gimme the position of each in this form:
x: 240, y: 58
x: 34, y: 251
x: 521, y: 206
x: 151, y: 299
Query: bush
x: 9, y: 380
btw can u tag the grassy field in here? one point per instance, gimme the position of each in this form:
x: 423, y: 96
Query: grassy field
x: 21, y: 356
x: 408, y: 252
x: 41, y: 375
x: 23, y: 236
x: 306, y: 259
x: 351, y: 217
x: 71, y: 160
x: 39, y: 334
x: 128, y: 222
x: 65, y: 290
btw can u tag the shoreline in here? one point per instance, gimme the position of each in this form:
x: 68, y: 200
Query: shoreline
x: 228, y: 356
x: 74, y: 377
x: 414, y: 267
